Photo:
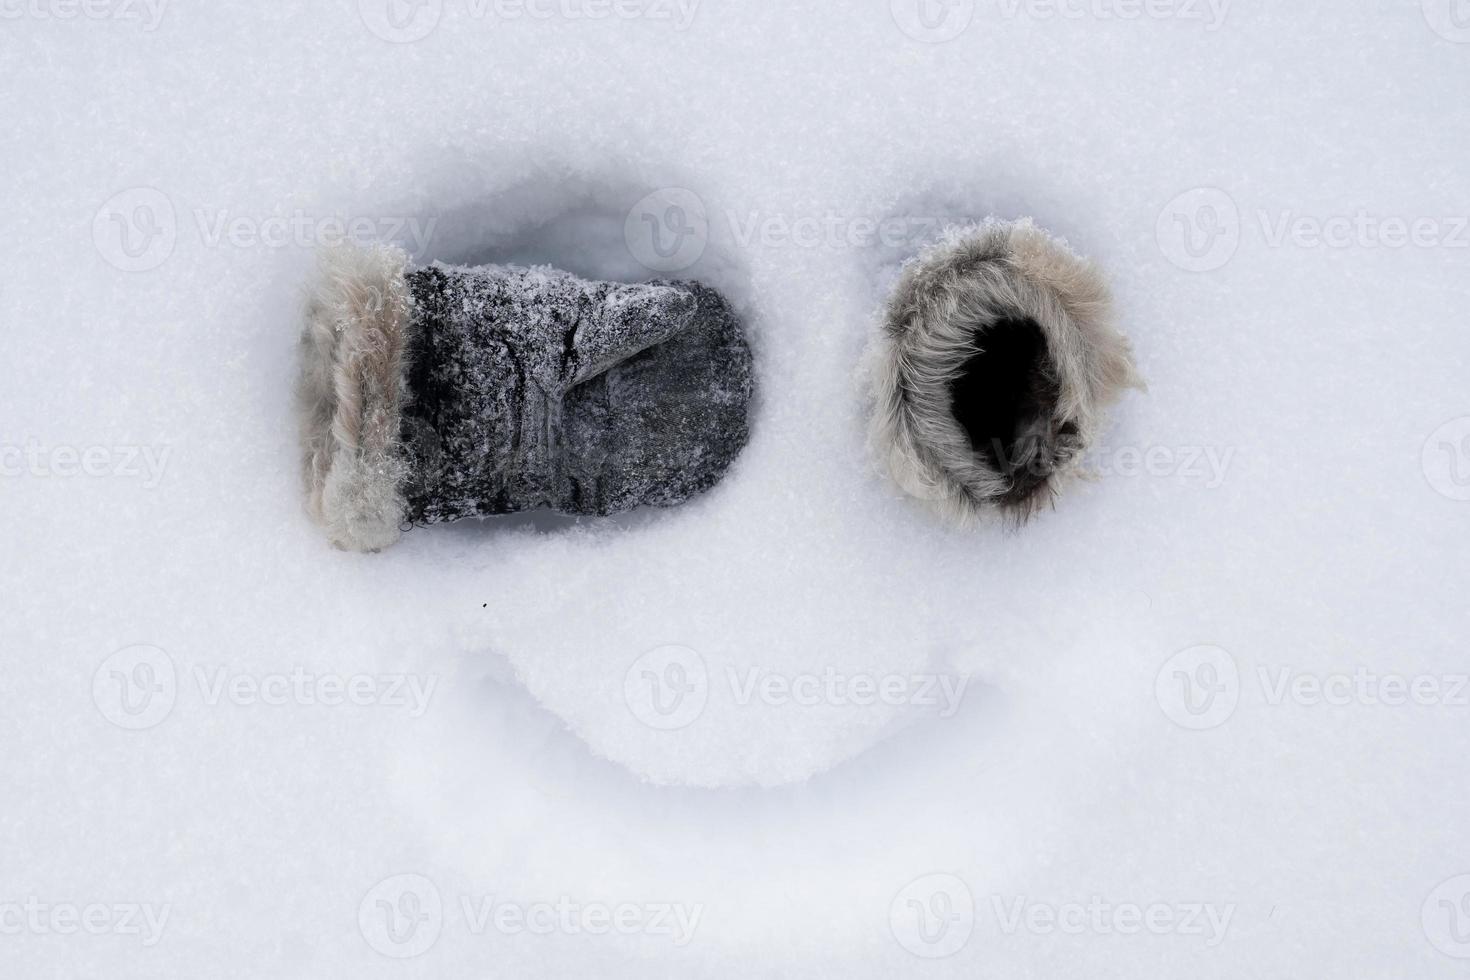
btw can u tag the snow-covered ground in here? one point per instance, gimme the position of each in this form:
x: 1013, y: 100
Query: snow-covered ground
x: 1209, y: 718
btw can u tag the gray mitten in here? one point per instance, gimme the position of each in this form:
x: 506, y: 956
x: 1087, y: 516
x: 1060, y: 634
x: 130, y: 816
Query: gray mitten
x: 442, y: 393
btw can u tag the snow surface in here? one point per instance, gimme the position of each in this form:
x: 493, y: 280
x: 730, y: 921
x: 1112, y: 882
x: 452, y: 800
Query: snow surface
x: 1122, y: 771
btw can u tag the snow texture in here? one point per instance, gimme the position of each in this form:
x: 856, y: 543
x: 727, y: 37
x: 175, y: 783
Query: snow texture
x: 797, y: 726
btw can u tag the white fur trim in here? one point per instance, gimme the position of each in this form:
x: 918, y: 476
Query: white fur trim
x: 975, y: 276
x: 350, y: 393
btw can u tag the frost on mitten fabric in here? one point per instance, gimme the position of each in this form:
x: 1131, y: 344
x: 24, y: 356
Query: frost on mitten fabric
x: 994, y: 367
x: 498, y: 389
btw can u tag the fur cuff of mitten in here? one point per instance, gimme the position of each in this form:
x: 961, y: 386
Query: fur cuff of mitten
x: 351, y: 392
x: 993, y: 369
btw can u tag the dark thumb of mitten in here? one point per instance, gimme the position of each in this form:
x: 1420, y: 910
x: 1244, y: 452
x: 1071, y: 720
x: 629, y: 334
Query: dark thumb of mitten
x: 627, y: 319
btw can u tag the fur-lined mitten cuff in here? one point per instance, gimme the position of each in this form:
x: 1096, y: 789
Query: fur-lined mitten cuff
x: 995, y: 364
x: 441, y: 393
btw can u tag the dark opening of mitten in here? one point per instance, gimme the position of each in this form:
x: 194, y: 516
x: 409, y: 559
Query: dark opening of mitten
x: 447, y: 392
x: 996, y: 363
x: 1000, y: 392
